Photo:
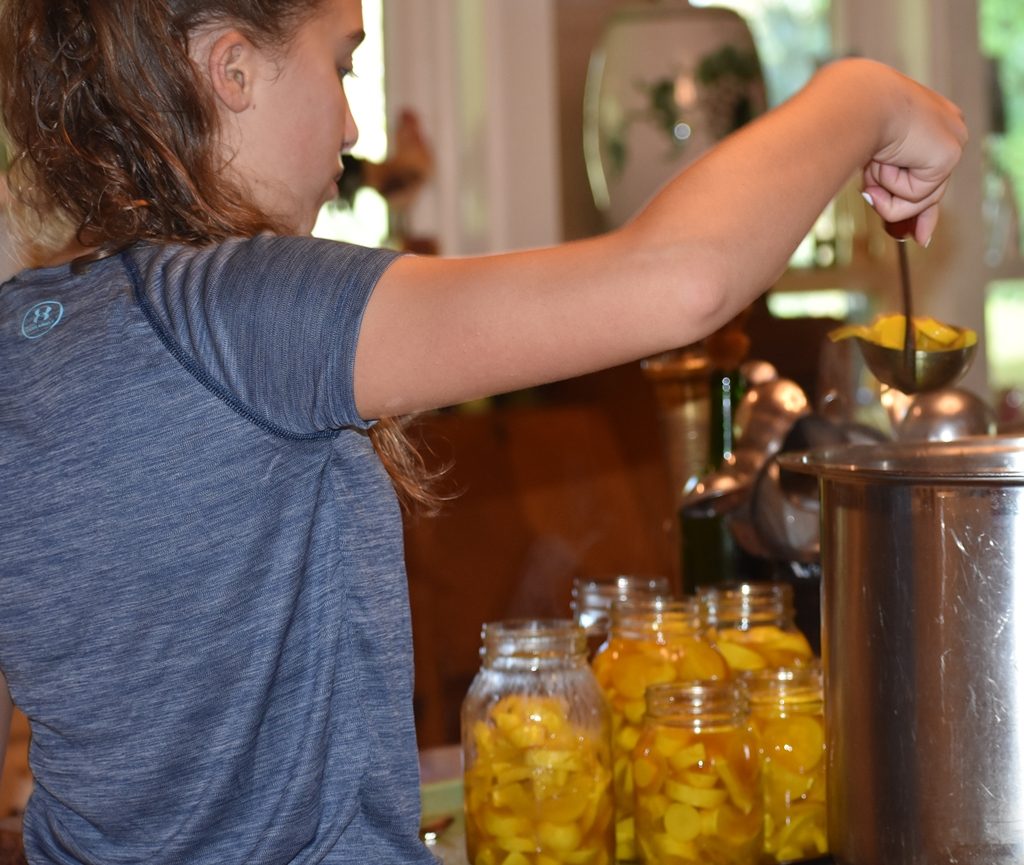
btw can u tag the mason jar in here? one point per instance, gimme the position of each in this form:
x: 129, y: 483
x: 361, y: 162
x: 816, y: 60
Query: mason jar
x: 592, y: 601
x: 754, y: 625
x: 536, y: 749
x: 787, y: 712
x: 652, y: 641
x: 697, y: 772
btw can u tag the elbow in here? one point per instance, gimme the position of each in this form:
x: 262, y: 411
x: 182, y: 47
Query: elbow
x: 711, y: 304
x: 701, y: 289
x: 691, y: 285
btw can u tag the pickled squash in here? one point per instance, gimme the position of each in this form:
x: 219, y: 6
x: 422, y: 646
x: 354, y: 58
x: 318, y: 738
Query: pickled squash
x: 787, y: 712
x: 707, y: 813
x: 929, y: 333
x: 539, y: 790
x: 763, y: 647
x: 649, y: 645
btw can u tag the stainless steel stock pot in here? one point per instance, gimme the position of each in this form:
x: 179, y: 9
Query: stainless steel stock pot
x: 922, y: 548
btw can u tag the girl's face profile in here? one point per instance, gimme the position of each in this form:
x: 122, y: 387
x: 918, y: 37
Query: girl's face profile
x: 296, y: 121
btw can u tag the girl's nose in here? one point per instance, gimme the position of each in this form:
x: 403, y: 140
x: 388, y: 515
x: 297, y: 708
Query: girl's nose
x: 351, y: 130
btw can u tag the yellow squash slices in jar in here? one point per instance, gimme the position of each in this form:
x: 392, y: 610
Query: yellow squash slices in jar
x: 698, y: 796
x: 753, y: 625
x: 787, y: 712
x: 539, y: 791
x: 763, y: 647
x: 651, y: 643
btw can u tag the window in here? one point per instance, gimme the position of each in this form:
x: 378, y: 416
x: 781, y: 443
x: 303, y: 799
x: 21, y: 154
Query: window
x: 366, y: 222
x: 794, y: 38
x: 1001, y: 30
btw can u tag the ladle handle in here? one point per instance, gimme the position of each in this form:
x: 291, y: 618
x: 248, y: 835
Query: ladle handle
x: 901, y: 230
x: 909, y: 345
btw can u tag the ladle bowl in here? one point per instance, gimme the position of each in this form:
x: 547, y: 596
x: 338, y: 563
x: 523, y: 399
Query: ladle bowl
x: 909, y: 369
x: 930, y: 370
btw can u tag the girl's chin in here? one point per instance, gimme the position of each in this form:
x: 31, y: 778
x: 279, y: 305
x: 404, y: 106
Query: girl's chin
x: 305, y: 226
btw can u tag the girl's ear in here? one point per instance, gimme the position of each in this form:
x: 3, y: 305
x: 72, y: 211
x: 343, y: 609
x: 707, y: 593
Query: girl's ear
x: 232, y: 65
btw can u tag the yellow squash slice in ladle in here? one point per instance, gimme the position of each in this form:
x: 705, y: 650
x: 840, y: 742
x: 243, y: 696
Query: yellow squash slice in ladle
x: 929, y: 333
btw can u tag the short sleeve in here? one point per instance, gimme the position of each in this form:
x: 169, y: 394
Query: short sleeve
x: 270, y: 324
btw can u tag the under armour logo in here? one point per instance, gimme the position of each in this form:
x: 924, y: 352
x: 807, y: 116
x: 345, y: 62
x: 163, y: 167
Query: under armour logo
x: 41, y: 319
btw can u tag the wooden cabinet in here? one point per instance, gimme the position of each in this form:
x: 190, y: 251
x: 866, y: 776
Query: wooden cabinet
x: 16, y: 781
x: 574, y: 484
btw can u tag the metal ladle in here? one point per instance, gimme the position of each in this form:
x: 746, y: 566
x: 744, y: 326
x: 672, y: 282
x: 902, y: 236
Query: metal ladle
x: 910, y: 369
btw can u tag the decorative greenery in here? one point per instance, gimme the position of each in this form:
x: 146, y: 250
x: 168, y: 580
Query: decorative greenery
x: 793, y: 38
x: 663, y: 110
x: 727, y: 80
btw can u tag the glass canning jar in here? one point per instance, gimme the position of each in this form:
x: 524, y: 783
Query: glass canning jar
x: 652, y: 641
x: 592, y: 601
x: 536, y: 750
x: 697, y: 772
x: 754, y: 625
x: 787, y: 712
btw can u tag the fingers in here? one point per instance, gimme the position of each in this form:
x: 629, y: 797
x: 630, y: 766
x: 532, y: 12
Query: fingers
x: 927, y: 219
x: 892, y: 209
x: 908, y: 176
x: 896, y: 196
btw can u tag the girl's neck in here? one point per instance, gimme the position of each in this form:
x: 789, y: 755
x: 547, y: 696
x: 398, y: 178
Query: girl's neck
x: 61, y: 255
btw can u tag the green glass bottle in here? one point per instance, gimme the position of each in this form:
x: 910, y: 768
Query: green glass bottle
x: 710, y: 554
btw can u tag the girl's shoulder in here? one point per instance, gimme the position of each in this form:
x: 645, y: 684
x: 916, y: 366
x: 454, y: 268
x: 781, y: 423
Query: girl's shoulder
x: 270, y: 261
x: 229, y: 308
x: 259, y: 247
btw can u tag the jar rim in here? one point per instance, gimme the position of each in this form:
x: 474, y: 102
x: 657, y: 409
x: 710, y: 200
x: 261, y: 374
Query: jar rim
x: 803, y: 684
x: 655, y: 604
x: 646, y: 617
x: 752, y: 601
x: 603, y: 591
x: 533, y: 638
x: 721, y: 700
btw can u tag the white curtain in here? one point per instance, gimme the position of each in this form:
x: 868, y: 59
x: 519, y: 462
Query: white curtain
x: 482, y: 76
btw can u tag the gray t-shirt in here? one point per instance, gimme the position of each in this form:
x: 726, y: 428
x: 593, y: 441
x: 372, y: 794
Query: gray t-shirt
x: 203, y: 608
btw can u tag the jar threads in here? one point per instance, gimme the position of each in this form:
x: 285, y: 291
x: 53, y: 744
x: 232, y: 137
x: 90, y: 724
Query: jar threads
x: 592, y: 601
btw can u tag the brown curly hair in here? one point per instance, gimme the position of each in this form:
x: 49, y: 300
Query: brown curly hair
x: 114, y: 132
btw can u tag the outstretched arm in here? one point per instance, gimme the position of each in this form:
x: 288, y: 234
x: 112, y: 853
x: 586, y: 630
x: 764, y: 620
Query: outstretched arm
x: 439, y: 331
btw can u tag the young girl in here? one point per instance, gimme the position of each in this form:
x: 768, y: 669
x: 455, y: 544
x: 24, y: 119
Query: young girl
x: 204, y: 613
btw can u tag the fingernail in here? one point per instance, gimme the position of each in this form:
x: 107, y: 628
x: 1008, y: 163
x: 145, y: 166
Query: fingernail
x: 928, y: 242
x: 868, y: 198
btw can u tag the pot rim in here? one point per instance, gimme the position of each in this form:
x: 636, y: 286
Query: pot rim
x: 972, y: 459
